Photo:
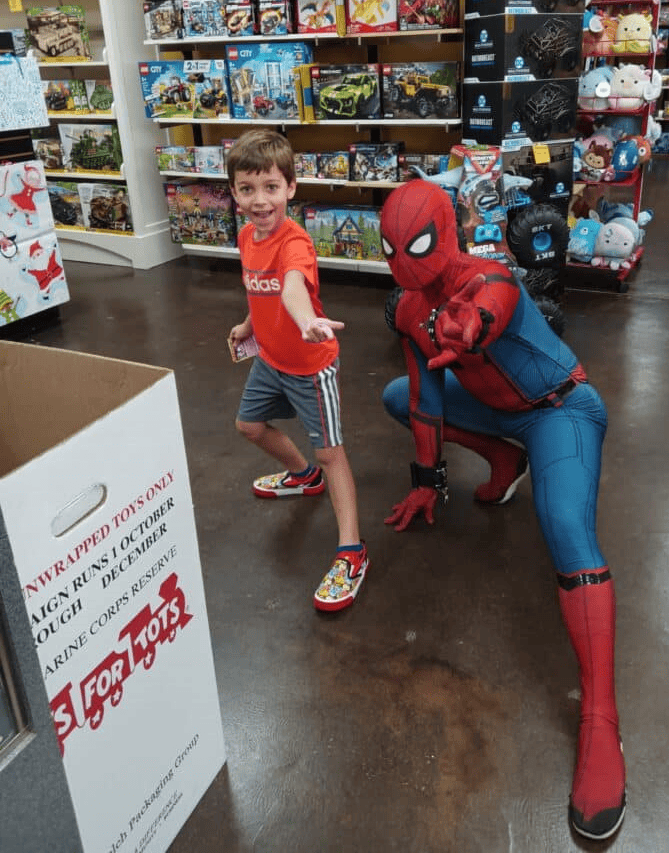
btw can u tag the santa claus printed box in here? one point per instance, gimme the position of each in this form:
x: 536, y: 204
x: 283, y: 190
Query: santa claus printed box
x: 32, y: 276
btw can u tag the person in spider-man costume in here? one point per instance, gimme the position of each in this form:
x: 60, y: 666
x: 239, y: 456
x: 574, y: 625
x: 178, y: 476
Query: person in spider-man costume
x: 483, y: 367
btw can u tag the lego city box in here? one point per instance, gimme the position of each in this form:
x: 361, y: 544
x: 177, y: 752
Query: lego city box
x: 533, y: 110
x: 523, y: 47
x: 100, y: 529
x: 420, y: 89
x: 166, y: 89
x: 346, y: 91
x: 261, y: 78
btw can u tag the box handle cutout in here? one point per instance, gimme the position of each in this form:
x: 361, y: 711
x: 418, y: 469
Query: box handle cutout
x: 78, y: 509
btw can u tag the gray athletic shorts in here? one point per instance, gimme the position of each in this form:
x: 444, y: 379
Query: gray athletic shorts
x: 270, y: 394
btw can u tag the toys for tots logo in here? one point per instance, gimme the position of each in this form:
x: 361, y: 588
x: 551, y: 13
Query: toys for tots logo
x: 263, y: 284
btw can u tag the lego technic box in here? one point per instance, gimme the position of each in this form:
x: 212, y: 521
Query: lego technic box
x: 163, y: 19
x: 91, y: 147
x: 374, y: 161
x: 345, y: 231
x: 261, y: 78
x: 166, y: 90
x: 523, y: 47
x: 58, y: 33
x: 420, y: 89
x: 201, y: 213
x: 203, y: 18
x: 346, y: 91
x: 105, y: 207
x: 533, y: 111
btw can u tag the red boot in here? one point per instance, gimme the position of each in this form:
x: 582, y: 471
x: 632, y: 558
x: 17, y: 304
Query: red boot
x: 597, y: 803
x: 508, y: 463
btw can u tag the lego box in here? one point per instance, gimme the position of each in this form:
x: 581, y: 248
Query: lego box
x: 374, y: 161
x: 163, y: 19
x: 523, y: 47
x: 346, y: 91
x: 105, y: 207
x: 58, y: 33
x: 420, y: 89
x: 315, y: 16
x: 201, y: 213
x: 533, y: 110
x: 203, y: 18
x: 427, y: 14
x: 421, y: 165
x: 371, y: 16
x: 210, y: 79
x: 166, y: 90
x: 104, y: 547
x: 261, y: 78
x: 347, y: 232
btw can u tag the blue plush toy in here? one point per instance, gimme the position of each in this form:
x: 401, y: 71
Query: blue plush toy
x: 582, y: 240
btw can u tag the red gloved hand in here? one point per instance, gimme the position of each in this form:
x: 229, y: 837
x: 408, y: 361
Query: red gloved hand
x: 422, y: 499
x: 458, y: 326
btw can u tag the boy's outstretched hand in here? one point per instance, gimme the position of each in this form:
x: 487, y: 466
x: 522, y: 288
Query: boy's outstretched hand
x: 320, y: 329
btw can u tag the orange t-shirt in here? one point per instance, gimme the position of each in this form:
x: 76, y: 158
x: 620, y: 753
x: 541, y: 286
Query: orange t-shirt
x: 264, y: 267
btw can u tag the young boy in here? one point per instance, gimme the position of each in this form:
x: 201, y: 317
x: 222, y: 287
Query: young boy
x: 296, y: 371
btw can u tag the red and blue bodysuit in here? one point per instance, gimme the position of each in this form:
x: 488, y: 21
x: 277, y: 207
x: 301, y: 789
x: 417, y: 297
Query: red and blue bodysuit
x: 483, y: 367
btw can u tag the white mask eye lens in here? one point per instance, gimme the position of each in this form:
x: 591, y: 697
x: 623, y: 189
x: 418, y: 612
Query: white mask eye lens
x: 420, y: 246
x: 388, y: 250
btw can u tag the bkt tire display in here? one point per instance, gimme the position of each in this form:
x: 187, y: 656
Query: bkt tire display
x: 538, y: 237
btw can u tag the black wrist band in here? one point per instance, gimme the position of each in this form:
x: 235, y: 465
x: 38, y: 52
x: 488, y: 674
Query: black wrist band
x: 434, y: 478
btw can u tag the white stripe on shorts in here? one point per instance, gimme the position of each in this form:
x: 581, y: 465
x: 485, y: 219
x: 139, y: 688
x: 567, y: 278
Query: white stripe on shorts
x: 327, y: 382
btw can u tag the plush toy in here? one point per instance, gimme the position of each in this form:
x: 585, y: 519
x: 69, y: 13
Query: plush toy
x: 613, y: 246
x: 594, y: 88
x: 632, y: 86
x: 600, y: 34
x: 582, y: 239
x: 624, y: 161
x: 596, y: 157
x: 634, y: 33
x: 623, y: 214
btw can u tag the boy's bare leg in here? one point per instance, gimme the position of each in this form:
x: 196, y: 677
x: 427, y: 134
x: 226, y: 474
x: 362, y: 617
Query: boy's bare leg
x: 338, y: 475
x: 275, y: 443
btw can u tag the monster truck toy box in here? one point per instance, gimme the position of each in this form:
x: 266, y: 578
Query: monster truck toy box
x: 477, y: 8
x: 533, y: 110
x: 540, y: 173
x: 346, y: 91
x: 523, y: 47
x: 98, y: 514
x: 420, y: 89
x: 260, y: 76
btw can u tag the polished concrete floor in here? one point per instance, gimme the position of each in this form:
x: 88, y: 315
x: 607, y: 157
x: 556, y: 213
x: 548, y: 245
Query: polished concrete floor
x: 439, y: 713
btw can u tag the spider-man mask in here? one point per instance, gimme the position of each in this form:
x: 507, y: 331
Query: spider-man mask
x: 418, y: 234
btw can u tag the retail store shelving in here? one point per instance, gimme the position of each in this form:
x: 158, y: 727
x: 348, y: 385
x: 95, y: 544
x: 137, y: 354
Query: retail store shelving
x: 117, y: 45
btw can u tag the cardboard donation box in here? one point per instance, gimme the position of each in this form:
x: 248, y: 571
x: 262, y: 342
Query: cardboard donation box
x: 96, y: 500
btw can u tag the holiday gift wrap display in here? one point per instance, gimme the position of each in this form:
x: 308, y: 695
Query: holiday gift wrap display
x: 105, y: 548
x: 32, y: 268
x: 22, y: 105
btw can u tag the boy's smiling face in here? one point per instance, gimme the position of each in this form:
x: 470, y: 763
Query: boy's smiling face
x: 263, y: 198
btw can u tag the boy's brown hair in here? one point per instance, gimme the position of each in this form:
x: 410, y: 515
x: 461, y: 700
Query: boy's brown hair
x: 257, y: 151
